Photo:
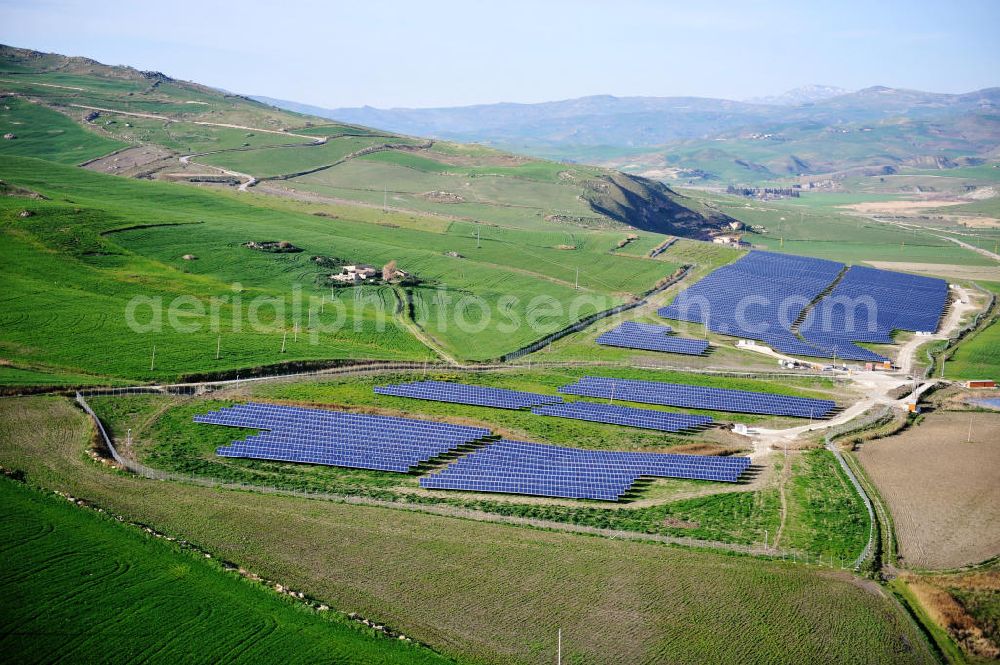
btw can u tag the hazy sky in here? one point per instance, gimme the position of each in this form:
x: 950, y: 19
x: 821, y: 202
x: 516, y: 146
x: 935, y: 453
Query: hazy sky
x: 449, y: 53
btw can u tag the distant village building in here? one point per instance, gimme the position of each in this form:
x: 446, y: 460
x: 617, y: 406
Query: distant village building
x: 730, y: 241
x: 736, y: 226
x: 355, y: 274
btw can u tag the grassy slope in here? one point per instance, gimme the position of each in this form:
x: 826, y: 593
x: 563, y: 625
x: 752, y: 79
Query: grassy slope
x: 978, y: 357
x: 102, y: 270
x: 48, y: 134
x: 68, y: 286
x: 94, y: 587
x: 678, y: 605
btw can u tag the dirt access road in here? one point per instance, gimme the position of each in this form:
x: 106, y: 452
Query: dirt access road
x: 247, y: 179
x: 874, y: 386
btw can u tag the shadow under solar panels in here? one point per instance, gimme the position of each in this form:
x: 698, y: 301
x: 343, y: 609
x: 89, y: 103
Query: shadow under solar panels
x: 317, y: 436
x: 699, y: 397
x: 623, y: 415
x: 460, y: 393
x: 649, y: 337
x: 518, y: 467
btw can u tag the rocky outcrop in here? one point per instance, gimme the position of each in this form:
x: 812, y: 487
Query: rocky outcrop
x: 647, y: 205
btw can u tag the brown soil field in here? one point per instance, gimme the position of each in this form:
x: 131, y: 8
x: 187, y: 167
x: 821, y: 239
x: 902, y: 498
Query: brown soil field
x: 905, y: 207
x: 126, y: 161
x: 988, y: 273
x: 943, y: 492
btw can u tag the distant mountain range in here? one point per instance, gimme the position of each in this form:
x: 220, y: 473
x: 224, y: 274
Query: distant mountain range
x: 614, y: 130
x: 803, y: 95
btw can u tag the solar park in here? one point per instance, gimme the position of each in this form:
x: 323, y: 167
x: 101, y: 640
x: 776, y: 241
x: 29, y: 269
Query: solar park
x: 460, y: 393
x: 316, y: 436
x: 811, y: 307
x: 402, y: 445
x: 887, y: 301
x: 517, y: 467
x: 699, y: 397
x: 648, y: 337
x: 624, y: 415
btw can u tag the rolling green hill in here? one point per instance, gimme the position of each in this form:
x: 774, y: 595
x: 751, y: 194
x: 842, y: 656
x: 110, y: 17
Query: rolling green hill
x: 95, y: 588
x: 491, y: 240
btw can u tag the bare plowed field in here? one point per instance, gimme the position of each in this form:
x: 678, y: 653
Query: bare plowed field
x: 943, y: 491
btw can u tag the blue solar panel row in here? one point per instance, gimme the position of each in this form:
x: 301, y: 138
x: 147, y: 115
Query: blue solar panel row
x: 757, y: 297
x: 699, y: 397
x: 316, y: 436
x: 460, y: 393
x: 623, y: 415
x: 517, y: 467
x: 763, y: 294
x: 867, y: 305
x: 648, y: 337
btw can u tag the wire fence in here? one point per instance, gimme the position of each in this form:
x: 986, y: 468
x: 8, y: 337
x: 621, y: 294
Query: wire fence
x: 597, y: 316
x: 875, y: 418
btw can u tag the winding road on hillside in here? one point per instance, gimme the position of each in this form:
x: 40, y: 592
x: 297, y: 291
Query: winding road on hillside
x: 247, y: 179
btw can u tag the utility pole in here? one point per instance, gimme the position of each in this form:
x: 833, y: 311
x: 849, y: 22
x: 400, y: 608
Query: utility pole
x: 559, y: 647
x: 969, y: 440
x: 284, y: 337
x: 613, y: 385
x: 152, y: 360
x: 578, y: 278
x: 765, y: 540
x: 478, y: 246
x: 218, y: 347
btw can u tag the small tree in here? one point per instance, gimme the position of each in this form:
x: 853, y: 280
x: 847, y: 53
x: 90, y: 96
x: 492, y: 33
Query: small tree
x: 389, y: 271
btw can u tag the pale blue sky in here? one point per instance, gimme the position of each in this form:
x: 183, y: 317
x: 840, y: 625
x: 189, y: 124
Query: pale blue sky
x: 449, y: 53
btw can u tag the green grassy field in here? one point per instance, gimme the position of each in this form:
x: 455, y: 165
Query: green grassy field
x: 812, y: 226
x: 97, y: 589
x: 682, y: 605
x: 825, y: 512
x: 87, y: 285
x: 47, y: 134
x: 978, y: 356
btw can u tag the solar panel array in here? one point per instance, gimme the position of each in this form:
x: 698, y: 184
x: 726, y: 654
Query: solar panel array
x: 699, y: 397
x: 460, y: 393
x: 757, y: 297
x: 648, y: 337
x: 867, y: 305
x: 624, y: 415
x: 763, y: 294
x: 317, y: 436
x: 517, y: 467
